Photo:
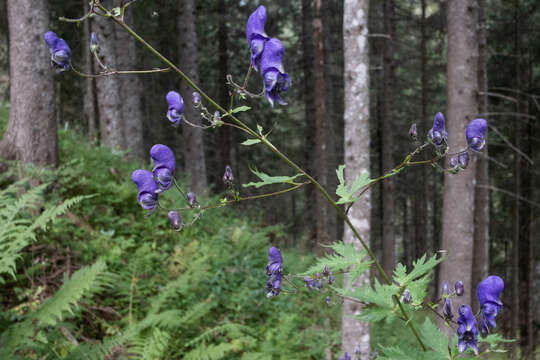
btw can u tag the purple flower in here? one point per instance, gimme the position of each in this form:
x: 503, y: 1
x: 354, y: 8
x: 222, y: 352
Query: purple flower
x: 448, y: 313
x: 228, y: 175
x: 191, y: 198
x: 175, y: 219
x: 274, y: 76
x: 310, y: 283
x: 488, y: 292
x: 196, y: 98
x: 147, y: 187
x: 463, y: 159
x: 345, y: 356
x: 176, y: 107
x: 459, y: 288
x: 445, y: 288
x: 437, y: 135
x: 256, y: 37
x: 475, y: 132
x: 94, y: 46
x: 467, y: 331
x: 413, y: 134
x: 331, y: 279
x: 60, y: 52
x: 326, y: 270
x: 164, y: 164
x: 274, y: 270
x: 454, y: 164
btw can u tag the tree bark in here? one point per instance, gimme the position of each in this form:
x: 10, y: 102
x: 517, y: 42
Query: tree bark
x: 31, y: 133
x: 224, y: 139
x: 357, y: 138
x: 90, y: 105
x: 462, y: 106
x: 194, y: 159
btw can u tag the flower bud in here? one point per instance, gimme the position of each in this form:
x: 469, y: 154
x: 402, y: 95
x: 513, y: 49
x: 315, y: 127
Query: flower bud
x: 463, y: 159
x: 412, y: 132
x: 448, y: 313
x: 326, y: 270
x: 318, y: 276
x: 331, y: 279
x: 191, y: 198
x: 196, y: 98
x: 228, y: 175
x: 310, y: 283
x: 175, y: 219
x: 216, y: 117
x: 459, y: 288
x: 406, y: 299
x: 454, y: 164
x: 318, y: 285
x: 445, y: 289
x: 94, y: 45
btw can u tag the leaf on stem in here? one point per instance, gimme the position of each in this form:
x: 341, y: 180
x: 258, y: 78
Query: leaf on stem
x: 346, y: 194
x: 268, y: 180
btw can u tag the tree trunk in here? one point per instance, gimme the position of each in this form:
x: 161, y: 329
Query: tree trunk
x: 387, y: 140
x: 131, y: 93
x: 462, y: 106
x: 224, y: 137
x: 31, y: 133
x: 90, y: 106
x: 194, y: 157
x: 111, y: 121
x: 357, y: 138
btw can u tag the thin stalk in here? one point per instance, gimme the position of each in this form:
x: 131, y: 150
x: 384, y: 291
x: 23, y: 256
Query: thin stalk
x: 272, y: 148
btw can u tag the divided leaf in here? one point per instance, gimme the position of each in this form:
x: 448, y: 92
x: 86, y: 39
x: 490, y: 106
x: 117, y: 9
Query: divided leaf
x: 268, y: 180
x: 346, y: 194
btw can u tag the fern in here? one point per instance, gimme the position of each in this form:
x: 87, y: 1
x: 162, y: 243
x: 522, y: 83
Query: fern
x: 153, y: 346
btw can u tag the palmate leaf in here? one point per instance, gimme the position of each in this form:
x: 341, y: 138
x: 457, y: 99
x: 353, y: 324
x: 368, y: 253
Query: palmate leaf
x: 379, y: 300
x: 346, y: 195
x: 268, y: 180
x: 421, y: 267
x: 434, y: 339
x: 345, y: 255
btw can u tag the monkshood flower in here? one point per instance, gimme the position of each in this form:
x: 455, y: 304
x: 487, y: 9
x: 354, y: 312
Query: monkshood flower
x: 437, y: 135
x: 345, y: 356
x: 175, y: 219
x: 94, y: 46
x: 176, y: 107
x: 413, y: 134
x: 275, y: 79
x: 164, y: 164
x: 459, y: 288
x: 475, y: 132
x: 256, y: 37
x: 147, y: 187
x: 488, y: 292
x: 196, y: 98
x: 228, y: 175
x: 467, y: 331
x: 60, y: 52
x: 274, y: 270
x: 191, y: 198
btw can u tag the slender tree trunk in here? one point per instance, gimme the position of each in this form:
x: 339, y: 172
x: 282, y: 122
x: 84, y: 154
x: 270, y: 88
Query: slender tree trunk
x: 357, y: 137
x: 111, y: 121
x: 90, y: 105
x: 194, y: 156
x: 131, y: 93
x: 31, y: 133
x: 462, y: 106
x: 387, y: 139
x: 481, y: 196
x: 224, y: 139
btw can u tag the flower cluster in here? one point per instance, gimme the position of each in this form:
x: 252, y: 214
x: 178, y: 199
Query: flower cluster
x: 274, y: 270
x: 316, y: 283
x: 60, y: 52
x: 488, y: 291
x: 267, y: 53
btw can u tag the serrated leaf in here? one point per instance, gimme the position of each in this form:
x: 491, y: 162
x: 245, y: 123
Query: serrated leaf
x: 268, y: 180
x: 346, y: 194
x: 345, y: 256
x: 249, y: 142
x: 420, y: 267
x: 240, y: 109
x: 434, y: 339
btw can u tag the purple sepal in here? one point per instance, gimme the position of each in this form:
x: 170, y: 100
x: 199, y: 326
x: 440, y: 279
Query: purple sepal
x: 146, y: 186
x: 467, y: 331
x: 437, y: 135
x: 176, y: 107
x: 255, y: 35
x: 164, y: 164
x: 274, y: 270
x: 475, y: 133
x: 489, y: 291
x: 275, y: 79
x: 60, y: 52
x: 175, y: 219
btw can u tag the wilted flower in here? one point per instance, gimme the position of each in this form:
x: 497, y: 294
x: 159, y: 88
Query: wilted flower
x: 475, y: 132
x: 488, y: 292
x: 196, y: 98
x: 147, y: 186
x: 94, y: 45
x: 437, y: 135
x: 345, y: 356
x: 175, y: 219
x: 164, y: 164
x: 467, y: 331
x: 191, y: 198
x: 176, y: 107
x: 413, y: 134
x: 274, y: 76
x: 60, y: 52
x: 459, y: 288
x: 406, y: 299
x: 256, y: 37
x: 228, y: 175
x: 274, y: 270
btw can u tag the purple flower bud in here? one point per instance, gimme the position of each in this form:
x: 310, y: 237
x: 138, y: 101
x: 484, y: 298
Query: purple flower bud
x: 275, y: 79
x: 475, y: 132
x: 326, y: 270
x: 459, y: 288
x: 176, y: 107
x: 463, y: 159
x: 445, y: 289
x: 437, y: 135
x: 310, y: 283
x: 256, y: 37
x: 60, y: 52
x: 331, y: 279
x: 94, y: 45
x: 413, y: 134
x: 406, y: 297
x: 216, y: 117
x: 175, y: 220
x: 196, y: 98
x: 164, y: 164
x: 319, y: 285
x: 467, y: 331
x: 488, y: 291
x: 318, y: 276
x: 448, y: 312
x: 191, y: 199
x: 454, y: 164
x: 146, y: 186
x: 228, y: 175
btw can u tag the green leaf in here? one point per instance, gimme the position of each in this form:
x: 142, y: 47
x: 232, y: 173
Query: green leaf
x: 420, y: 268
x: 268, y: 180
x: 260, y: 129
x: 396, y: 353
x: 434, y: 339
x: 346, y: 194
x: 345, y: 256
x: 240, y: 109
x: 249, y: 142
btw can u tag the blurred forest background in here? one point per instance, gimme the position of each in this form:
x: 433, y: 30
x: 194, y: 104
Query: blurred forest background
x: 201, y: 291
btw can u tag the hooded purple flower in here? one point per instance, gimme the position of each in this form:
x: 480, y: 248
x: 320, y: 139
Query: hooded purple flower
x: 147, y: 187
x: 164, y: 164
x: 274, y: 76
x: 467, y: 331
x: 437, y: 135
x: 274, y: 270
x: 475, y: 132
x: 176, y: 107
x: 256, y: 37
x: 488, y: 292
x: 60, y: 52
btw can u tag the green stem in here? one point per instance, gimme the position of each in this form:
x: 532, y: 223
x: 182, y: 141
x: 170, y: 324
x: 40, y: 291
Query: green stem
x: 272, y: 148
